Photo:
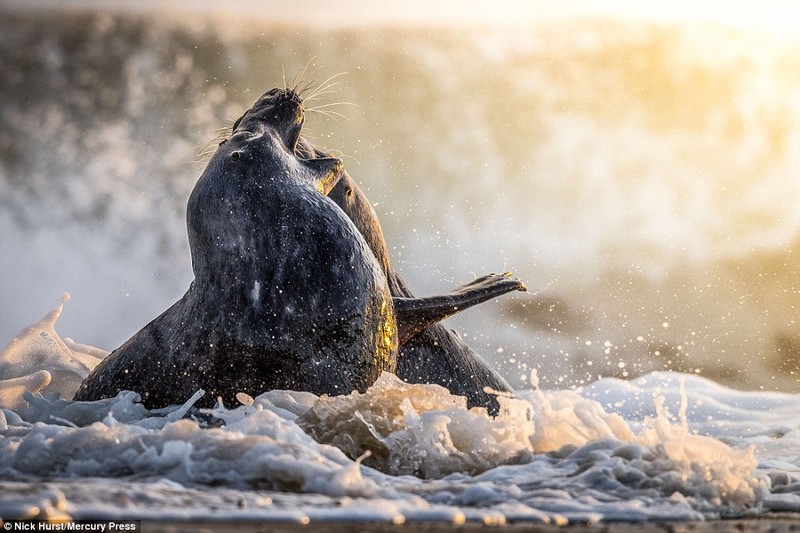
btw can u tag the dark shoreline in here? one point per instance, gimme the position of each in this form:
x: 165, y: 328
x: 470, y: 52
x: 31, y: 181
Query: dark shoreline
x: 769, y: 524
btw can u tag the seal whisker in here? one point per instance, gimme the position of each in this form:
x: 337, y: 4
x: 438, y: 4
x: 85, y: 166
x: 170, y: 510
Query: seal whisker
x: 328, y: 113
x: 324, y: 109
x: 227, y: 127
x: 342, y: 155
x: 222, y: 134
x: 318, y: 94
x: 321, y: 89
x: 322, y: 106
x: 302, y: 75
x: 306, y: 86
x: 310, y: 138
x: 330, y: 79
x: 283, y: 72
x: 325, y: 85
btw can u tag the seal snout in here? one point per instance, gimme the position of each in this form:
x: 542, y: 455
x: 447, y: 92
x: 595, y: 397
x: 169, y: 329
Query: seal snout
x: 281, y: 109
x: 290, y: 112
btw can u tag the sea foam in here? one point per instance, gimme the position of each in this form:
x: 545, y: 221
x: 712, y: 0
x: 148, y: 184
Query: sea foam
x: 395, y: 453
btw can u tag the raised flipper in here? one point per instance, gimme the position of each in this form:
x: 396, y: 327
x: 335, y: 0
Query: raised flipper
x: 415, y: 314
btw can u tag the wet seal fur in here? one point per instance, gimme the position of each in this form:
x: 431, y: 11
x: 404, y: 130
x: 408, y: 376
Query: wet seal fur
x: 287, y: 293
x: 429, y: 351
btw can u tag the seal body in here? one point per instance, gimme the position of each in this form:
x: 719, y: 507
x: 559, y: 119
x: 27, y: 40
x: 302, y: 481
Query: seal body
x: 433, y: 353
x: 287, y: 294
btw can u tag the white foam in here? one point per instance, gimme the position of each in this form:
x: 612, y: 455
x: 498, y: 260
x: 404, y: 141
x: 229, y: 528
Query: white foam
x: 612, y: 451
x: 37, y: 354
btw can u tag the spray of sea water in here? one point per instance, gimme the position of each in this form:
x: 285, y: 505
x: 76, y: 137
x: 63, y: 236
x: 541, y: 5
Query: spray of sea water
x: 666, y: 446
x: 645, y: 175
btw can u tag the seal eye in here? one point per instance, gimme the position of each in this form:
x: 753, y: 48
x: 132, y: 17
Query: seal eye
x: 349, y: 193
x: 235, y: 156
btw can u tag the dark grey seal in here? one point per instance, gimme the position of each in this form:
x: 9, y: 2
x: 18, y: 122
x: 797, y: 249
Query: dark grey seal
x: 429, y: 351
x: 287, y: 294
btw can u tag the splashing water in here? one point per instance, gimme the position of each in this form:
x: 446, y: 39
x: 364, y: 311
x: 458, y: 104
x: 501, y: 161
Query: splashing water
x: 395, y: 453
x: 33, y: 357
x: 669, y: 149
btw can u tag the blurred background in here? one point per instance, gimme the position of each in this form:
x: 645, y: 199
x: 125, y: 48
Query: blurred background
x: 638, y: 166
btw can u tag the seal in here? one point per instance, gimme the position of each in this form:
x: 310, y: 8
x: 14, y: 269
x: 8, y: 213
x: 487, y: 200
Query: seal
x: 429, y: 351
x: 287, y: 293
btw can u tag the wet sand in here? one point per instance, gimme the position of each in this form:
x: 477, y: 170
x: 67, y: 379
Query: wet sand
x: 772, y: 524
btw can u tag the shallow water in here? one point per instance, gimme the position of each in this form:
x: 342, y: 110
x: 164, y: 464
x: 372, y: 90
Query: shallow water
x: 665, y: 446
x: 640, y: 176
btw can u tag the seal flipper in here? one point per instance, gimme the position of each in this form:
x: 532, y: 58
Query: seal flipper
x: 416, y: 314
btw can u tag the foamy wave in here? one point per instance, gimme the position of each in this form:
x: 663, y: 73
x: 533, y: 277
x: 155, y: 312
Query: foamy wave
x: 538, y: 460
x: 33, y: 357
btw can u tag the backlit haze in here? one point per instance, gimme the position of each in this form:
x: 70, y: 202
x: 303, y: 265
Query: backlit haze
x: 637, y: 163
